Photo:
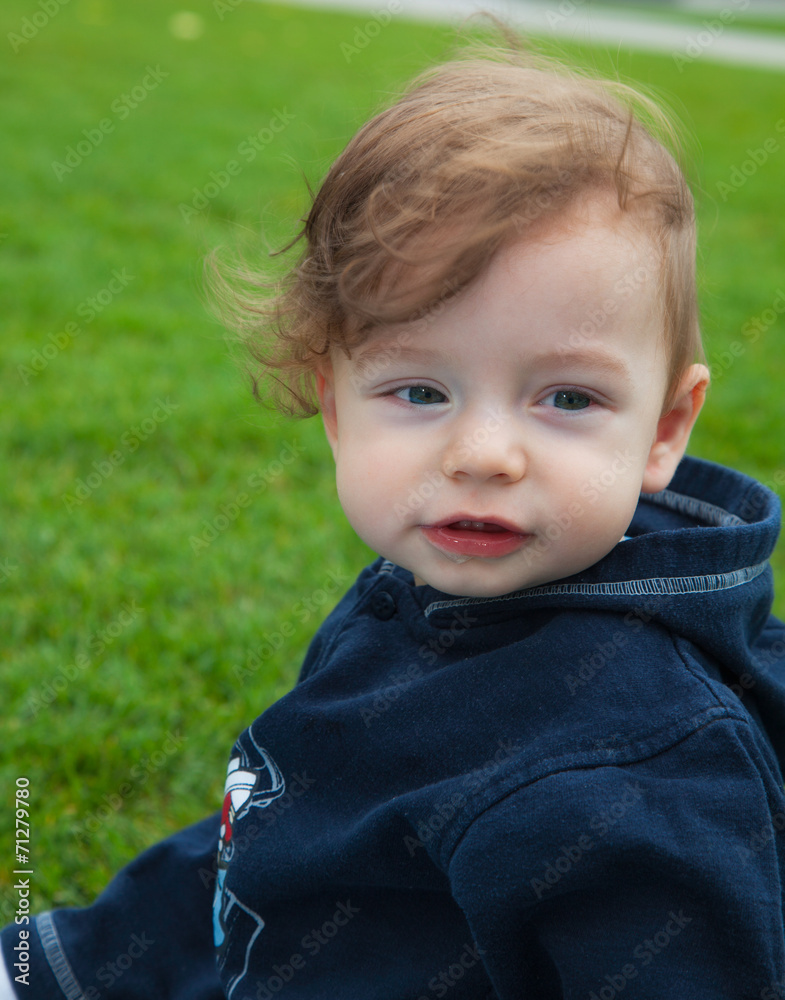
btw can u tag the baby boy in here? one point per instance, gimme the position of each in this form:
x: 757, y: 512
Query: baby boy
x: 519, y: 760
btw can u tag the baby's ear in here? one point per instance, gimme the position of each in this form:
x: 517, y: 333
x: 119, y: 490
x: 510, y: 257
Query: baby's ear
x: 674, y: 428
x: 325, y: 390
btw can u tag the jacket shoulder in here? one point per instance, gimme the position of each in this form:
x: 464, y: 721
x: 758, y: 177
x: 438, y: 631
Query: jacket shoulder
x: 642, y: 861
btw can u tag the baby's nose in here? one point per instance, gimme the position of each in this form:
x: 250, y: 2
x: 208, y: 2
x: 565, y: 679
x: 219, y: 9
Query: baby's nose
x: 486, y: 449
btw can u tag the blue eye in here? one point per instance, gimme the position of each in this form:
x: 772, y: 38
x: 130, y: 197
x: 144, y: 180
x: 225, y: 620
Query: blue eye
x: 421, y: 394
x: 571, y: 399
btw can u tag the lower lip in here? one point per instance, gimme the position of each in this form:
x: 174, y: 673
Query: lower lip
x: 463, y: 542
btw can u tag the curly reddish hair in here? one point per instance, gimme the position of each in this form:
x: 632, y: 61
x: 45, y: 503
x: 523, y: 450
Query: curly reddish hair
x: 472, y: 155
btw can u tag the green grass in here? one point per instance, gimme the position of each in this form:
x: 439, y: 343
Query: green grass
x: 116, y: 631
x: 728, y: 16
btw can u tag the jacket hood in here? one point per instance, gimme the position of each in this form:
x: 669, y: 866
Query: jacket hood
x: 695, y: 559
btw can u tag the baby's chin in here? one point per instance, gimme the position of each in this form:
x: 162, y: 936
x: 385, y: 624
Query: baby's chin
x: 466, y: 589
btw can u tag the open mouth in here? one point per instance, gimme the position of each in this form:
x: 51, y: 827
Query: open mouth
x: 475, y: 526
x: 467, y: 537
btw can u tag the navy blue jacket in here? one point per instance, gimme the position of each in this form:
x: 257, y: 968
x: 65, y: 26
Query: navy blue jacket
x: 572, y: 791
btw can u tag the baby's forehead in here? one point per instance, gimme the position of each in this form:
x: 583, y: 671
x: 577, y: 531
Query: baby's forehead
x: 593, y: 232
x: 581, y: 282
x: 591, y: 240
x: 592, y: 255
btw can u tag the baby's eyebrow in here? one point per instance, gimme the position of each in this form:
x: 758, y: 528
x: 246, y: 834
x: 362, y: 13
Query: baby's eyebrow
x: 594, y: 358
x: 374, y: 359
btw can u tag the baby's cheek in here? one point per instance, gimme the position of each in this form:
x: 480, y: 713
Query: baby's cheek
x: 362, y: 496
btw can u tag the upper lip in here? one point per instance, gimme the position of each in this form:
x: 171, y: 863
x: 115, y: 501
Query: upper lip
x: 484, y: 518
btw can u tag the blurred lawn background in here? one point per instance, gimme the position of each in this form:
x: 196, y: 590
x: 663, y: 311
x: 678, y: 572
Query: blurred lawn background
x: 123, y: 645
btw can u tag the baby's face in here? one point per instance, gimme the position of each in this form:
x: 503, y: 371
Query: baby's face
x: 503, y: 442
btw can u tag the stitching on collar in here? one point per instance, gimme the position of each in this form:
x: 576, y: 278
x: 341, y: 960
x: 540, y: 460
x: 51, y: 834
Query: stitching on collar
x: 658, y: 585
x: 709, y: 513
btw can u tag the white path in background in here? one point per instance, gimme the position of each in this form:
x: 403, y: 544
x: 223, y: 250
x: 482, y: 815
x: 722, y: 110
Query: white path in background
x: 713, y: 37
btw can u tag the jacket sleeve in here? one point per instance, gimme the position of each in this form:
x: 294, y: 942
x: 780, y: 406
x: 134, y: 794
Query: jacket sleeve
x: 149, y: 934
x: 653, y: 879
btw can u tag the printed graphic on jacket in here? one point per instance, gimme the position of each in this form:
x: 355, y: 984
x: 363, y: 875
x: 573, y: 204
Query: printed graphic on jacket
x: 253, y: 781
